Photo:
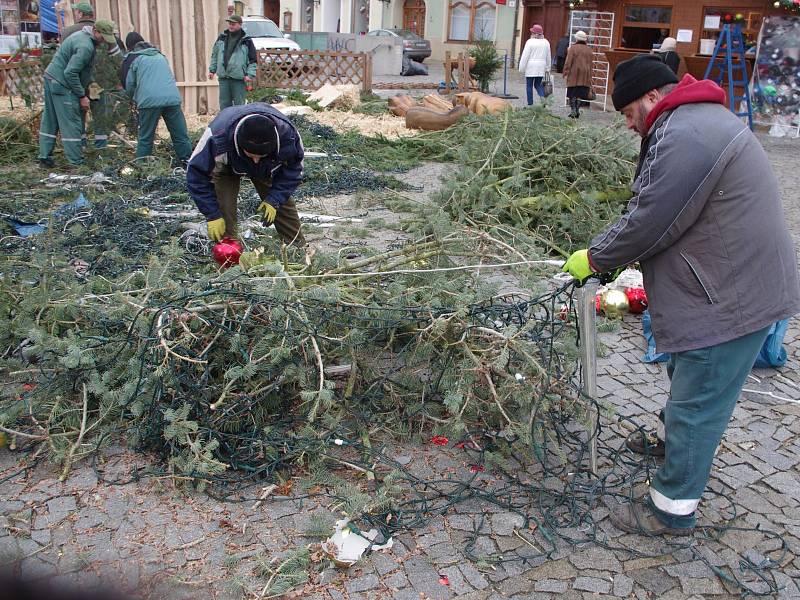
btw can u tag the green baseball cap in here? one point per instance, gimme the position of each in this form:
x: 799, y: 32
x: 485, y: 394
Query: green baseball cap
x: 84, y: 7
x: 107, y: 29
x: 234, y: 19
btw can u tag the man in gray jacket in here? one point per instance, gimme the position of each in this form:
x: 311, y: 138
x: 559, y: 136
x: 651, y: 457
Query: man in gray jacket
x: 707, y: 227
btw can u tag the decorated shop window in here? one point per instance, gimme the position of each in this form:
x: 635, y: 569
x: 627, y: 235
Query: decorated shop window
x: 471, y: 20
x: 645, y: 26
x: 715, y: 18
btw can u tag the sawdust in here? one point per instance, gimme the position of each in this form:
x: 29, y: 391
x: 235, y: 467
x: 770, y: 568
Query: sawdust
x: 387, y: 125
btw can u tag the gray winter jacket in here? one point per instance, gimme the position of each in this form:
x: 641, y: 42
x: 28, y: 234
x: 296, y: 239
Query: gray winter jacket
x: 707, y: 225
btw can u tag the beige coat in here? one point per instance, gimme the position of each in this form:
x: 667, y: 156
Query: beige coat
x: 578, y: 67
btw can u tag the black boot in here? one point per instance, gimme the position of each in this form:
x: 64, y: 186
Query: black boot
x: 573, y: 104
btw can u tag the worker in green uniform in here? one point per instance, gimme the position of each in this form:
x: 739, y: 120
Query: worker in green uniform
x: 84, y: 15
x: 151, y: 84
x: 65, y: 82
x: 233, y: 63
x: 105, y: 67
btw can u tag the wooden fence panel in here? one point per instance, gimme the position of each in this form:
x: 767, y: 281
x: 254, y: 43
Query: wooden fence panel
x: 22, y: 79
x: 184, y: 30
x: 311, y: 69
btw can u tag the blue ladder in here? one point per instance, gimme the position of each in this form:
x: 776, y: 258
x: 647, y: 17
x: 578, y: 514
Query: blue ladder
x: 734, y: 65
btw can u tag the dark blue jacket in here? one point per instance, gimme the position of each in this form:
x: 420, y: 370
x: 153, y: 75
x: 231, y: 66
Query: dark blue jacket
x: 218, y: 145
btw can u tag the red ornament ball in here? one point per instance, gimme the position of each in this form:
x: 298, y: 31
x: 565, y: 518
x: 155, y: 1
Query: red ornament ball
x: 637, y: 299
x: 728, y: 18
x: 227, y: 252
x: 598, y: 303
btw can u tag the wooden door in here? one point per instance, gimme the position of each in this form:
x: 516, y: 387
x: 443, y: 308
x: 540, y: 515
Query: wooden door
x: 414, y: 16
x: 554, y: 19
x: 272, y: 10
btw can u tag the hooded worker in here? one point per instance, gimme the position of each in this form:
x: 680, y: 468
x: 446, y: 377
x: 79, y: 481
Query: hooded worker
x: 257, y: 141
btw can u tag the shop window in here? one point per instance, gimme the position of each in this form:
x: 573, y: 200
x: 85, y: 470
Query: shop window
x: 471, y: 20
x: 648, y: 14
x: 645, y: 26
x: 749, y: 18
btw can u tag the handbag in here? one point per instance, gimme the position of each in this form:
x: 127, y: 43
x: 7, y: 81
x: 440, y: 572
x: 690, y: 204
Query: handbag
x: 591, y: 95
x: 547, y: 84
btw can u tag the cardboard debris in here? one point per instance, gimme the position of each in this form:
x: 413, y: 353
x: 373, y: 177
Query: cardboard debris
x: 289, y: 109
x: 342, y: 96
x: 345, y: 547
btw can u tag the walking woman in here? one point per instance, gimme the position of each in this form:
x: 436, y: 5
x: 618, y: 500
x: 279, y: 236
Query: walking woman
x: 578, y: 73
x: 535, y: 62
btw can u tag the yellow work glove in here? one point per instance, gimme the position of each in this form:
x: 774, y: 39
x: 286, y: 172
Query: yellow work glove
x: 216, y: 229
x: 577, y: 265
x: 267, y: 212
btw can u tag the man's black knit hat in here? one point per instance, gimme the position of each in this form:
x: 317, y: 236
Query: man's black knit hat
x: 635, y: 77
x: 257, y: 134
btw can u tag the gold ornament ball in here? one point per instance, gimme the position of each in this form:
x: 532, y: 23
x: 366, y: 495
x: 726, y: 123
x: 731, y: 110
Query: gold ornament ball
x: 614, y: 303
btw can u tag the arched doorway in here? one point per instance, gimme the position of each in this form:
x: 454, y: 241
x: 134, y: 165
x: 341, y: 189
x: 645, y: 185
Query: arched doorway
x: 414, y: 16
x: 272, y: 10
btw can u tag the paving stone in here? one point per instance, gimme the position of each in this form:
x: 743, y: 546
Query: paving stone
x: 404, y: 594
x: 785, y: 483
x: 461, y: 522
x: 396, y: 580
x: 595, y: 557
x: 362, y: 584
x: 383, y: 564
x: 592, y: 584
x: 688, y: 570
x: 738, y: 476
x: 473, y: 576
x: 458, y: 583
x: 623, y: 585
x: 556, y: 569
x: 653, y: 580
x: 555, y: 586
x: 704, y: 586
x: 506, y: 522
x: 60, y: 508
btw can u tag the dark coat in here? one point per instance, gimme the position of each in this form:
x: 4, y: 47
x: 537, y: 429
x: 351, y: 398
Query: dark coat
x: 707, y: 226
x: 578, y: 68
x: 218, y: 144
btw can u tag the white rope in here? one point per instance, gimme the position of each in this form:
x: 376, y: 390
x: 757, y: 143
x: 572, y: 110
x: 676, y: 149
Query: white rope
x: 551, y: 263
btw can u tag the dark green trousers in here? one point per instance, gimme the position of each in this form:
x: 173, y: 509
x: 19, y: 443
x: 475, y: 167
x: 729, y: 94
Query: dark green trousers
x: 227, y: 184
x: 705, y: 385
x: 62, y: 112
x: 176, y: 124
x: 231, y: 92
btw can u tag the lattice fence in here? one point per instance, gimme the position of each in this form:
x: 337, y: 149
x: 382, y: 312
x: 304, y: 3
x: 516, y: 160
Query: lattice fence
x: 22, y: 80
x: 310, y: 69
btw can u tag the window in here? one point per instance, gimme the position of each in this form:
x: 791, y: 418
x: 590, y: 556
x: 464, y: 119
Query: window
x: 644, y: 26
x: 648, y: 14
x: 749, y: 18
x: 471, y: 20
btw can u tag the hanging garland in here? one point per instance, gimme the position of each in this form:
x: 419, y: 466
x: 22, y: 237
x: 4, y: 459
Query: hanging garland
x: 791, y: 6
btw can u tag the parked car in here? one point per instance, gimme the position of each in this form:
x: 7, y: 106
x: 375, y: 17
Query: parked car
x: 414, y: 46
x: 266, y: 35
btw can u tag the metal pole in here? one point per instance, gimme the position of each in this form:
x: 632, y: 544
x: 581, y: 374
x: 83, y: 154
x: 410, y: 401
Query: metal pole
x: 588, y: 351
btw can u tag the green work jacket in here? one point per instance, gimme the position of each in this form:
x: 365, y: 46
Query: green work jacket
x: 242, y: 61
x: 72, y: 64
x: 150, y: 81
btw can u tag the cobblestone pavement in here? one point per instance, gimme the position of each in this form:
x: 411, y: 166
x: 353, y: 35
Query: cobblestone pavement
x: 148, y: 536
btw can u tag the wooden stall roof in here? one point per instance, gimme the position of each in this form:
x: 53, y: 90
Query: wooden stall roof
x: 184, y: 30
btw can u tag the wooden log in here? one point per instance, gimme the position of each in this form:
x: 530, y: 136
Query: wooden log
x: 481, y: 104
x: 436, y: 102
x: 399, y: 104
x: 429, y: 120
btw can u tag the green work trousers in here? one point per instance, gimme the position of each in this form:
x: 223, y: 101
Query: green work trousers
x: 101, y: 117
x: 231, y: 92
x: 226, y: 185
x: 62, y: 112
x: 176, y: 124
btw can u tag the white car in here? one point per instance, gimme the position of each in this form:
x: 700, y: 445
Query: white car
x: 266, y: 35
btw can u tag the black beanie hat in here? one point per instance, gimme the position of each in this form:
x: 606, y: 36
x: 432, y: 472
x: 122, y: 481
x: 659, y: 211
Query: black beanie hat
x: 635, y: 77
x: 257, y: 134
x: 132, y: 39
